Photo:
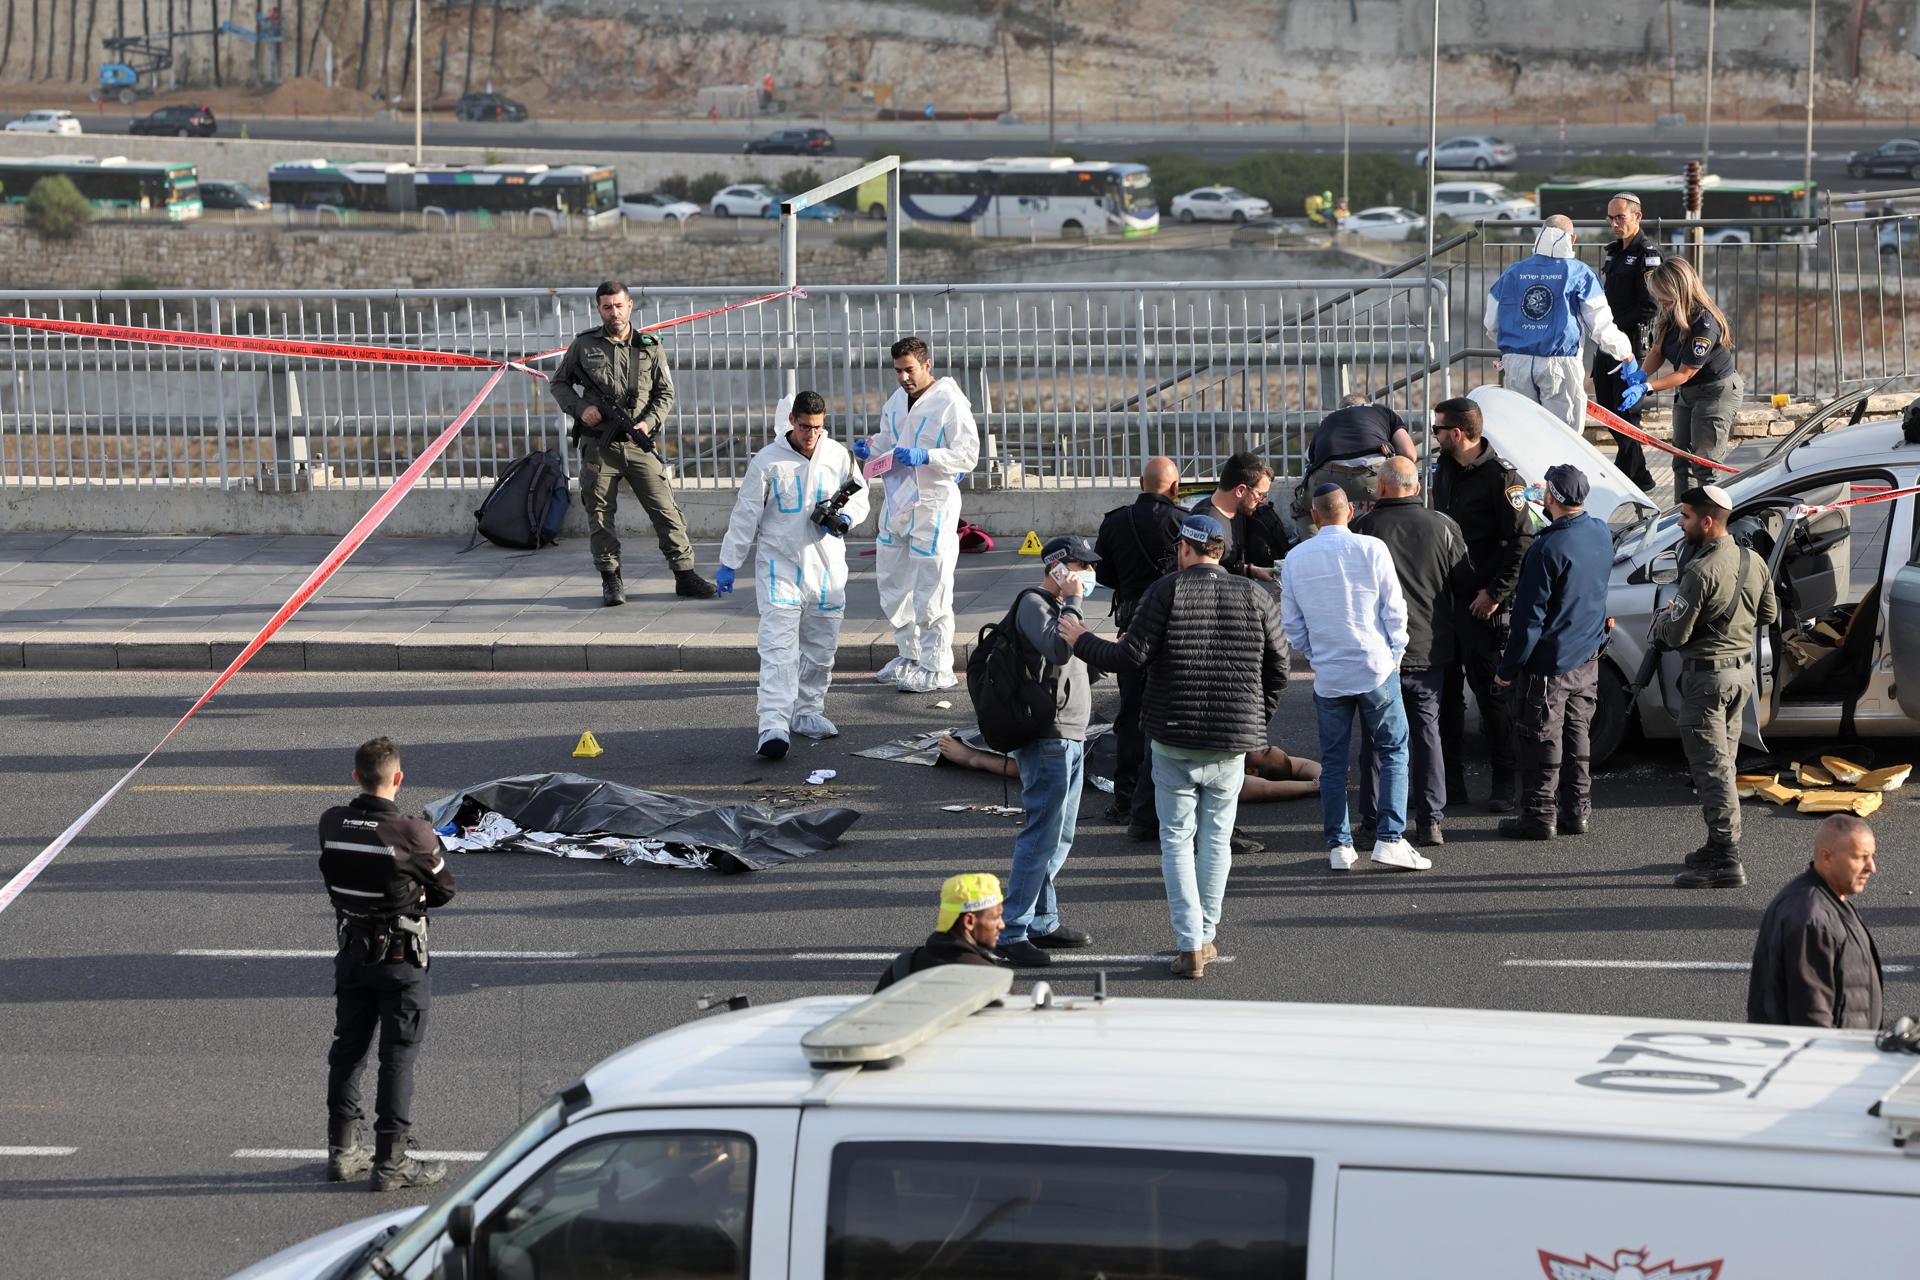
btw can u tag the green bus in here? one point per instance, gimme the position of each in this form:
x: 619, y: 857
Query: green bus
x: 167, y: 188
x: 1663, y: 199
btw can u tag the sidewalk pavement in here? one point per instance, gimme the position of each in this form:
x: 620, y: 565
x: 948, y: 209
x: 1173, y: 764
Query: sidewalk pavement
x: 104, y: 602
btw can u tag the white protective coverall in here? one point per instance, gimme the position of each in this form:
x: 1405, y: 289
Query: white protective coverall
x: 918, y: 538
x: 1536, y: 312
x: 802, y: 575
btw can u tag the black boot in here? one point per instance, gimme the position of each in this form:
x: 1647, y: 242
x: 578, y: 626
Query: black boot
x: 395, y: 1170
x: 1456, y: 787
x: 1501, y: 801
x: 691, y: 585
x: 346, y: 1158
x: 1714, y: 866
x: 612, y: 590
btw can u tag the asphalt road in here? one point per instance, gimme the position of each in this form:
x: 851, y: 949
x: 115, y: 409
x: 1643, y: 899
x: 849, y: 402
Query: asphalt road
x: 156, y: 1067
x: 1746, y: 151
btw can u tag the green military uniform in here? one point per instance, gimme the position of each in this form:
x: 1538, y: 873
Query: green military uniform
x: 1723, y: 594
x: 634, y: 374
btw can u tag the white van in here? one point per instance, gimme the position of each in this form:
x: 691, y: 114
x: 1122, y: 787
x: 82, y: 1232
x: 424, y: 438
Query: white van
x: 944, y: 1130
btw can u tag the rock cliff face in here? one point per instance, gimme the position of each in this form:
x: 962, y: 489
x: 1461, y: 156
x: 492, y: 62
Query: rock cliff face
x: 1115, y: 59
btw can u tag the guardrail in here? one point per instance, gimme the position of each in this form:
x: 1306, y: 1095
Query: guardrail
x: 1072, y: 384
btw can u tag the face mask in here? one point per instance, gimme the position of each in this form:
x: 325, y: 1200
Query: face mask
x: 1087, y: 583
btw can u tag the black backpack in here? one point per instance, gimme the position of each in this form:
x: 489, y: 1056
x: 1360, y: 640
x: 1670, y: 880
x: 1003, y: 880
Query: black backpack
x: 1011, y: 691
x: 527, y: 504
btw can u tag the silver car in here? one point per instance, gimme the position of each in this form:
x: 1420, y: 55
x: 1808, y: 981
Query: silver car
x: 1844, y: 658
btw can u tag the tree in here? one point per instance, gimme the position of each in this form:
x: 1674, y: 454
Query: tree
x: 366, y: 38
x: 386, y: 47
x: 6, y: 49
x: 406, y: 57
x: 93, y: 7
x: 33, y: 40
x: 56, y: 209
x: 466, y: 76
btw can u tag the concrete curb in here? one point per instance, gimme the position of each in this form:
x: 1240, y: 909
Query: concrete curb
x: 119, y: 651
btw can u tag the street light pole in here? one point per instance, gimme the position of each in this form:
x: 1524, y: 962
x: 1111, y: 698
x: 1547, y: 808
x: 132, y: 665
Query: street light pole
x: 1053, y: 20
x: 1706, y: 132
x: 1673, y: 106
x: 1813, y: 21
x: 419, y: 38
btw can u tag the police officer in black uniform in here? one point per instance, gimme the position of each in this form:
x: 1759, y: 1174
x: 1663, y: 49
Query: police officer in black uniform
x: 383, y: 871
x: 1487, y: 499
x: 1136, y: 550
x: 1623, y: 273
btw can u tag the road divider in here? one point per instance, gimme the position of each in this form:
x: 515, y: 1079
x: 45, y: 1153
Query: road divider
x: 320, y: 1153
x: 37, y: 1151
x: 1698, y: 966
x: 261, y: 953
x: 1059, y: 957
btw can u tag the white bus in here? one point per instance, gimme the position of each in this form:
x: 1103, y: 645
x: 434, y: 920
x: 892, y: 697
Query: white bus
x: 1023, y: 196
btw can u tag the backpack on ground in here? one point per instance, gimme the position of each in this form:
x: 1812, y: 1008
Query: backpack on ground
x: 527, y: 504
x: 1010, y: 686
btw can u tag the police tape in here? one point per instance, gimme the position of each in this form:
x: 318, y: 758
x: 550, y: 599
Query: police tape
x: 1880, y: 494
x: 348, y: 544
x: 1614, y: 422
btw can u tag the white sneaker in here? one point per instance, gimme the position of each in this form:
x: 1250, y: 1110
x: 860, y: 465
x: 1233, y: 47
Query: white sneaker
x: 891, y: 673
x: 915, y: 679
x: 809, y: 725
x: 1398, y: 853
x: 1343, y: 858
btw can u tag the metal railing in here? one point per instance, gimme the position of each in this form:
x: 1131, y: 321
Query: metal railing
x: 1072, y: 384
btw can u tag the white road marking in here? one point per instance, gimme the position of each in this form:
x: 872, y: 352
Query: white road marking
x: 320, y: 1153
x: 261, y: 954
x: 37, y: 1151
x: 1703, y: 966
x: 1059, y: 957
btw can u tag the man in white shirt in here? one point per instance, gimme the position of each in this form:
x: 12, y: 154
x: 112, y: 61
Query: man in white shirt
x: 1341, y: 605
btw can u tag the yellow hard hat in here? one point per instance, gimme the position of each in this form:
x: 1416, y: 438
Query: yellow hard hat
x: 975, y: 891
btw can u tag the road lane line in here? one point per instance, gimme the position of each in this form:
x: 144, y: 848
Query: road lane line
x: 37, y: 1151
x: 264, y: 954
x: 320, y: 1153
x: 1059, y: 957
x: 257, y: 788
x: 1704, y: 966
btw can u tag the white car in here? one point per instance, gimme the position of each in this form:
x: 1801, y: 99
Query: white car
x: 1384, y: 222
x: 744, y: 200
x: 1219, y: 204
x: 1478, y: 151
x: 656, y: 206
x: 45, y: 122
x: 1480, y: 202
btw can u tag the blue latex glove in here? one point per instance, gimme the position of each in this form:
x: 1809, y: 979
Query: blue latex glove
x: 723, y: 580
x: 905, y: 457
x: 1631, y: 373
x: 1634, y: 392
x: 862, y: 448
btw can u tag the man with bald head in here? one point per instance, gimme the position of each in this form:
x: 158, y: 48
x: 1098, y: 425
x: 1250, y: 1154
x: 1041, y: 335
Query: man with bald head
x: 1814, y: 964
x: 1536, y: 313
x: 1136, y: 544
x: 1430, y: 559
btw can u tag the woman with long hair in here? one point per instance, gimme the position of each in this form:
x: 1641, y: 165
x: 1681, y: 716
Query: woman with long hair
x: 1693, y: 338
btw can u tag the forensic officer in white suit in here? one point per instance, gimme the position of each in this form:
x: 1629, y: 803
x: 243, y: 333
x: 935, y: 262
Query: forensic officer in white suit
x: 801, y: 495
x: 927, y: 427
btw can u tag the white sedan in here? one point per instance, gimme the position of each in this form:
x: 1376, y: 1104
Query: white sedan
x: 1481, y: 202
x: 1219, y: 204
x: 1476, y: 151
x: 1386, y: 222
x: 744, y: 200
x: 656, y: 206
x: 45, y: 122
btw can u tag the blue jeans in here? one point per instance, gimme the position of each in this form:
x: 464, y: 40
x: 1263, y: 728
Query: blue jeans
x: 1197, y: 802
x: 1386, y: 720
x: 1051, y: 772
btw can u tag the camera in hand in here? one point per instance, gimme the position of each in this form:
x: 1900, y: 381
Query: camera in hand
x: 826, y: 512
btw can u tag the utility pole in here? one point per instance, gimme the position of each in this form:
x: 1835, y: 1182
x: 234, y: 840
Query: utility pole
x: 1053, y: 21
x: 420, y: 35
x: 1673, y: 106
x: 1346, y: 162
x: 1813, y: 23
x: 1706, y: 132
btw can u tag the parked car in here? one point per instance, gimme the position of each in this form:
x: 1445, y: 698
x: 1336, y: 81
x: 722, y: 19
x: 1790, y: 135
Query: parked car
x: 817, y: 212
x: 1846, y: 567
x: 656, y: 206
x: 177, y: 122
x: 489, y: 106
x: 45, y: 122
x: 1218, y: 204
x: 1476, y: 151
x: 1383, y: 222
x: 215, y: 194
x: 792, y: 142
x: 743, y: 200
x: 1480, y: 202
x: 1899, y: 158
x: 1560, y: 1143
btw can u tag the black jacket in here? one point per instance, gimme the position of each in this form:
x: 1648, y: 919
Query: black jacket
x: 1430, y: 558
x: 1814, y: 964
x: 1486, y: 499
x: 1135, y: 545
x: 379, y: 862
x: 941, y: 948
x: 1215, y: 657
x: 1624, y: 269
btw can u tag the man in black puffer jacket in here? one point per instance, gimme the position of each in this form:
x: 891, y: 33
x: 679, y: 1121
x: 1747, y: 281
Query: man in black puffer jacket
x: 1814, y: 963
x: 1215, y: 656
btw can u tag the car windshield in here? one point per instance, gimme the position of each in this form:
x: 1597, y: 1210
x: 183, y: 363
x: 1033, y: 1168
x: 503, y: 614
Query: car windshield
x: 1235, y: 193
x: 1743, y: 488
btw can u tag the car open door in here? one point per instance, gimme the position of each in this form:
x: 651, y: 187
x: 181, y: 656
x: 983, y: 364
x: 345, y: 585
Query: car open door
x: 1903, y: 637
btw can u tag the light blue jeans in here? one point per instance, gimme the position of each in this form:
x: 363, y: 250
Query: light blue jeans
x: 1197, y: 801
x: 1051, y: 773
x: 1385, y: 717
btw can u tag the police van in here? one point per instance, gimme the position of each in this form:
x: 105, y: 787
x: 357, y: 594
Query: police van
x: 945, y: 1129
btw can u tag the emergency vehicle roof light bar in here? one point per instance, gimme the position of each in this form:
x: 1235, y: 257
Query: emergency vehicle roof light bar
x: 881, y: 1029
x: 1899, y: 1107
